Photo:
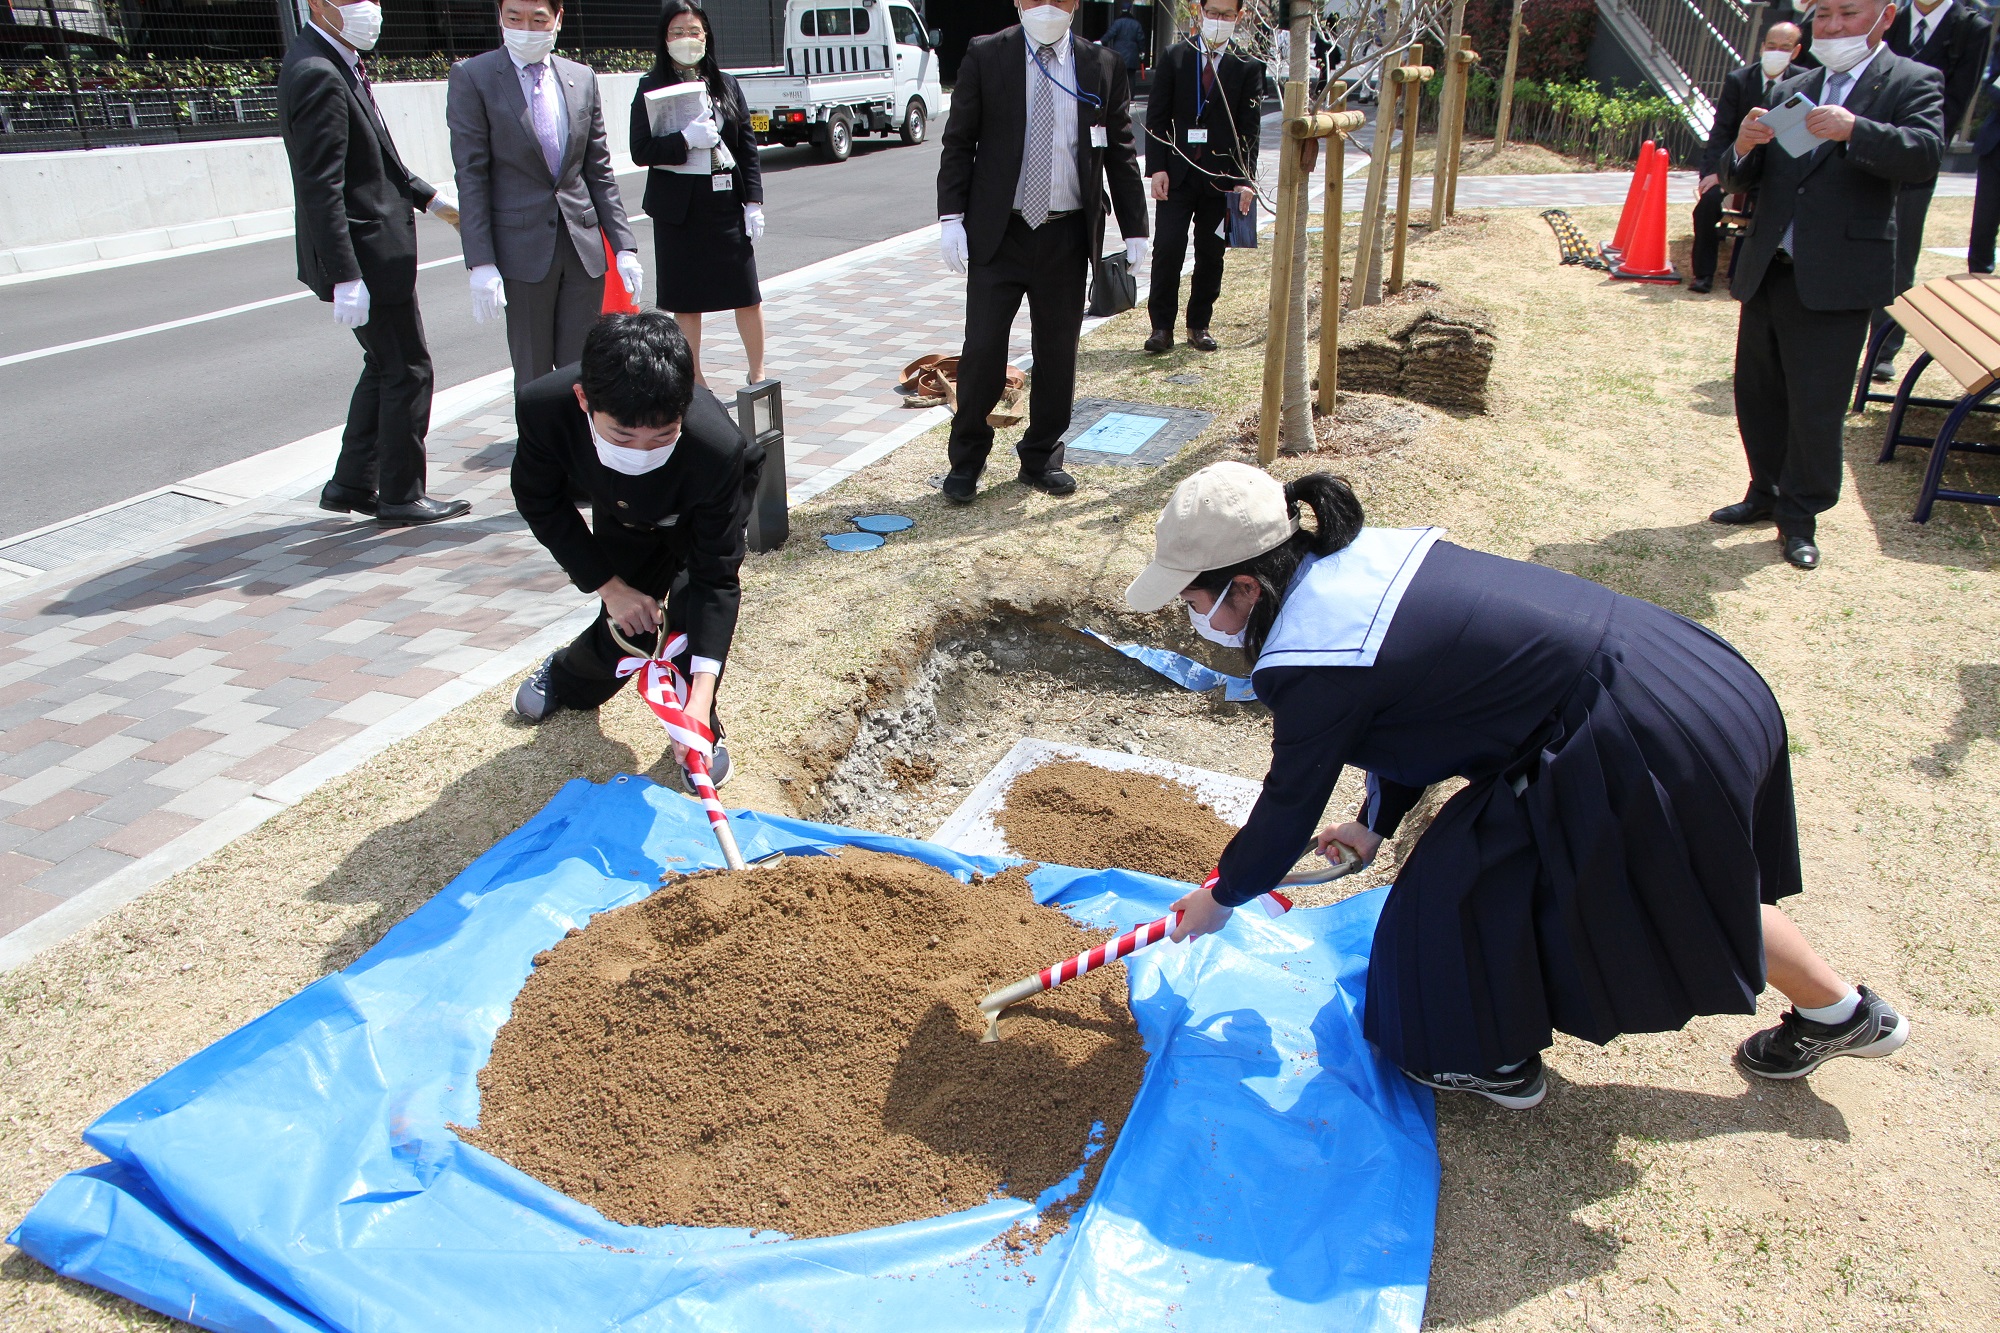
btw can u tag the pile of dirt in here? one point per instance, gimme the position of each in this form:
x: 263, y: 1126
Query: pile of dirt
x: 1435, y: 349
x: 1076, y: 814
x: 797, y: 1048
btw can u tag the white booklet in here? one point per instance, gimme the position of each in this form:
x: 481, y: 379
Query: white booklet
x: 672, y: 109
x: 1788, y: 118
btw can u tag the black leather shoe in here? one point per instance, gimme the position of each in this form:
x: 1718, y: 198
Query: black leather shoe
x: 1800, y: 551
x: 1200, y: 341
x: 961, y: 488
x: 1161, y: 340
x: 1702, y: 286
x: 338, y: 499
x: 1743, y: 511
x: 1054, y: 481
x: 1884, y: 372
x: 421, y: 510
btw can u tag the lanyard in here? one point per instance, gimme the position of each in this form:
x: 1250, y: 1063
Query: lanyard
x: 1088, y: 99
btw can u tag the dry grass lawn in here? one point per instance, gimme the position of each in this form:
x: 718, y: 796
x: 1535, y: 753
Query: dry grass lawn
x: 1656, y: 1187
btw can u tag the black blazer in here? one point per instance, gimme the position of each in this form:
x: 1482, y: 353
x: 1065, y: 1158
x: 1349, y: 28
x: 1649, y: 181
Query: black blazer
x: 1231, y: 118
x: 980, y: 163
x: 668, y: 192
x: 355, y: 201
x: 1988, y: 137
x: 1742, y: 92
x: 1842, y: 196
x: 1957, y: 50
x: 696, y: 503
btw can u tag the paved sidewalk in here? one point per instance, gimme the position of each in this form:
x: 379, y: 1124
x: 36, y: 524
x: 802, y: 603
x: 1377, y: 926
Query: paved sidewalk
x: 153, y: 708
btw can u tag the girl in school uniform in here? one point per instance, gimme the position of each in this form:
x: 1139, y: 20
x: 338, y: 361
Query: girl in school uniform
x: 1615, y: 860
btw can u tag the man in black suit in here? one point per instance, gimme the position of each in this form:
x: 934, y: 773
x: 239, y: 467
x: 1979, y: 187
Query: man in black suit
x: 1951, y: 38
x: 669, y: 478
x: 1820, y: 255
x: 357, y: 247
x: 1041, y: 126
x: 1202, y: 129
x: 1743, y: 91
x: 1986, y: 199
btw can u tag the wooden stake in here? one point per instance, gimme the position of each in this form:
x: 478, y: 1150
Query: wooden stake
x: 1284, y: 242
x: 1438, y: 171
x: 1505, y: 118
x: 1332, y: 206
x: 1462, y: 63
x: 1411, y: 78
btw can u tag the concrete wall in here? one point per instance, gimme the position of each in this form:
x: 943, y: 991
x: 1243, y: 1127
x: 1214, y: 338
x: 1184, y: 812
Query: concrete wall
x: 72, y: 206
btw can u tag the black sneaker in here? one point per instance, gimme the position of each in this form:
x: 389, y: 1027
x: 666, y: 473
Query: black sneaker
x: 1797, y: 1046
x: 1517, y: 1089
x: 1049, y: 481
x: 535, y: 699
x: 960, y: 488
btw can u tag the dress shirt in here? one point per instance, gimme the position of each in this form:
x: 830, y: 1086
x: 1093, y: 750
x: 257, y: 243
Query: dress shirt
x: 1065, y: 195
x: 347, y: 53
x: 553, y: 87
x: 1928, y: 22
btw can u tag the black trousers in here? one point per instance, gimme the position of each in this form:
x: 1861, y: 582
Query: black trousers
x: 1050, y: 266
x: 585, y: 674
x: 1707, y: 234
x: 382, y: 449
x: 1913, y: 205
x: 1196, y: 200
x: 1794, y: 372
x: 1985, y: 215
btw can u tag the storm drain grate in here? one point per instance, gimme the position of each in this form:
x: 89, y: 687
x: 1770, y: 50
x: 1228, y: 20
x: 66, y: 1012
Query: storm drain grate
x: 125, y: 528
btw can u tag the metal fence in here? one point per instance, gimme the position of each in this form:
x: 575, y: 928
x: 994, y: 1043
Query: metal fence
x: 90, y: 73
x: 1706, y: 39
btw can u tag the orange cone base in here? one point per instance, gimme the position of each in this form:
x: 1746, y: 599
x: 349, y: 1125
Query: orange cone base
x: 1666, y: 275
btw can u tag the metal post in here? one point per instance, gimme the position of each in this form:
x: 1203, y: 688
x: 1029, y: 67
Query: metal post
x: 1504, y: 119
x: 288, y: 21
x: 760, y: 416
x: 69, y: 73
x: 1284, y: 242
x: 1411, y: 77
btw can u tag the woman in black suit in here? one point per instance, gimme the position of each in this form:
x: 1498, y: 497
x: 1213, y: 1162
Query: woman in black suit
x: 704, y: 236
x: 1613, y: 863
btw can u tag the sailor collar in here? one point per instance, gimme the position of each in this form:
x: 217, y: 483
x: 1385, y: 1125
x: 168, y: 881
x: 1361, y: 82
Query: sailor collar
x: 1339, y: 607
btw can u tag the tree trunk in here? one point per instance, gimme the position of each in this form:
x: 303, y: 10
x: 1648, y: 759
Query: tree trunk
x: 1295, y: 425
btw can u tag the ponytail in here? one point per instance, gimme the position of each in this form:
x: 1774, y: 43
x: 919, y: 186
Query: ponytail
x: 1336, y: 521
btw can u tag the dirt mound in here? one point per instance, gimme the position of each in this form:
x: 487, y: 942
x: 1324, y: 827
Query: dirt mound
x: 1077, y: 814
x: 797, y: 1048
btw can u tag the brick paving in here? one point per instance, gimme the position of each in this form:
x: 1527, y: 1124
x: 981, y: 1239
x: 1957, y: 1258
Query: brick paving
x: 160, y: 700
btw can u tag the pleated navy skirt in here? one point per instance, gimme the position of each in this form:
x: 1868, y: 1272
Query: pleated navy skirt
x: 1610, y: 884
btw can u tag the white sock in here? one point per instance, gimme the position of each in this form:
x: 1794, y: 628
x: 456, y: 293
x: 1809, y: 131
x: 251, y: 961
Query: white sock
x: 1838, y: 1012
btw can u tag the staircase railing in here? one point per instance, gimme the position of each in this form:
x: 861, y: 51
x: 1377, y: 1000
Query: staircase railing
x: 1688, y: 46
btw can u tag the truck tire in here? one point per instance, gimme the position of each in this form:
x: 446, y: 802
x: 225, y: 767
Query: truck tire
x: 913, y: 121
x: 837, y: 141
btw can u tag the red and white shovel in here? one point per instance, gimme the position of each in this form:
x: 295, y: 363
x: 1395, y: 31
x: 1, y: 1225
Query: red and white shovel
x: 1274, y: 903
x: 665, y: 690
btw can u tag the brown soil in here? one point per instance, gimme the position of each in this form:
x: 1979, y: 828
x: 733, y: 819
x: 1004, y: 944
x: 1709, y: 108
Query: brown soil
x: 1077, y: 814
x: 797, y: 1048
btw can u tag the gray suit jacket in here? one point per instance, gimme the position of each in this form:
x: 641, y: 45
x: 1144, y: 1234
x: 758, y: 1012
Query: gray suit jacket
x: 508, y: 204
x: 1840, y: 199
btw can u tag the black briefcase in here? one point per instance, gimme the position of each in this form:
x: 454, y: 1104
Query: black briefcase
x: 1114, y: 288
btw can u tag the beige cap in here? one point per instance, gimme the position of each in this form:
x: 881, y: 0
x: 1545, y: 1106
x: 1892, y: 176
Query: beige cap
x: 1222, y: 515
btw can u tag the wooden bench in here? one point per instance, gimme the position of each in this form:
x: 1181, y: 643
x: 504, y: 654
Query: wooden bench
x: 1955, y: 321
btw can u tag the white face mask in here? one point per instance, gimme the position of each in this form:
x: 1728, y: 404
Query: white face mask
x: 361, y: 25
x: 1840, y: 54
x: 631, y: 462
x: 688, y: 51
x: 1210, y: 632
x: 1045, y: 24
x: 1215, y: 33
x: 1776, y: 63
x: 530, y: 47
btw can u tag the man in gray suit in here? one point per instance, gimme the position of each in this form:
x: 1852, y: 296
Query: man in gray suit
x: 535, y: 184
x: 1820, y: 255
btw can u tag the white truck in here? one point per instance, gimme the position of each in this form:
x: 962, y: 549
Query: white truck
x: 864, y: 67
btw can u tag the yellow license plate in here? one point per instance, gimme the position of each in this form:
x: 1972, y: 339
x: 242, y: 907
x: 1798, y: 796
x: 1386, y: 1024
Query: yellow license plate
x: 760, y: 123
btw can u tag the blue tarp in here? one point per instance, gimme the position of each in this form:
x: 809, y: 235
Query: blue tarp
x: 299, y: 1174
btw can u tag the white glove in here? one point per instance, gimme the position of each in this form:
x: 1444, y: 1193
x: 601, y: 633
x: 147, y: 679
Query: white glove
x: 701, y: 134
x: 445, y: 201
x: 953, y: 248
x: 350, y: 304
x: 489, y: 293
x: 753, y: 221
x: 1135, y: 250
x: 632, y: 273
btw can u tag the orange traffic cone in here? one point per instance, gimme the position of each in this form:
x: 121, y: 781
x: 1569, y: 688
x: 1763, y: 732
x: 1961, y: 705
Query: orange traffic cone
x: 617, y: 301
x: 1629, y: 215
x: 1647, y: 260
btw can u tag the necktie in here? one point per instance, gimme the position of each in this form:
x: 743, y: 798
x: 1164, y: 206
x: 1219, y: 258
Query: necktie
x: 1036, y: 177
x: 1917, y: 38
x: 544, y: 111
x: 1836, y: 89
x: 1207, y: 78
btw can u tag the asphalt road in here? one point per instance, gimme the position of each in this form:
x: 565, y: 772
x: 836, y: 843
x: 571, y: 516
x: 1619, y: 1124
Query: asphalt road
x: 89, y: 427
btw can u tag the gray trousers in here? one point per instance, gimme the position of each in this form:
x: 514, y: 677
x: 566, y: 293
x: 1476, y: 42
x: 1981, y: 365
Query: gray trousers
x: 546, y: 320
x: 1913, y: 205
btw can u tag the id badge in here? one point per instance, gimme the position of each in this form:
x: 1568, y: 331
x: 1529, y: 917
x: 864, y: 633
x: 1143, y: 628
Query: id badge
x: 722, y: 182
x: 1098, y: 138
x: 1198, y: 135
